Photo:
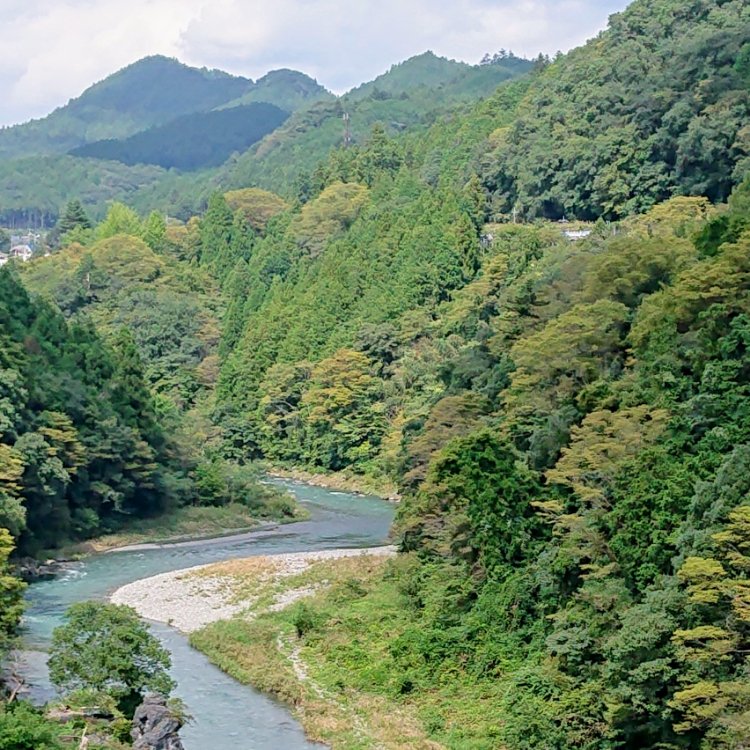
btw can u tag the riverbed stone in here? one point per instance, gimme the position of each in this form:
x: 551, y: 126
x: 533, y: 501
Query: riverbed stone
x: 155, y: 726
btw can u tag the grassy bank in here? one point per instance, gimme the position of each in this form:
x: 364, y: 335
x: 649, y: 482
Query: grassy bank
x: 192, y: 522
x: 334, y: 656
x: 343, y: 481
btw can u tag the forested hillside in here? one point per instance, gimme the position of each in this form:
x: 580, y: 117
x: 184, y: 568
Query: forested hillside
x: 657, y: 105
x: 33, y: 190
x: 105, y: 414
x: 127, y: 275
x: 149, y: 92
x: 569, y: 426
x: 288, y: 89
x: 396, y: 226
x: 411, y: 94
x: 565, y: 413
x: 192, y: 142
x: 81, y: 444
x: 567, y: 420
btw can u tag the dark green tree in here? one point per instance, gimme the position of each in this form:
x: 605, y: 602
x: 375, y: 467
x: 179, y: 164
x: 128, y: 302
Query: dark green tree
x: 106, y: 648
x: 74, y: 217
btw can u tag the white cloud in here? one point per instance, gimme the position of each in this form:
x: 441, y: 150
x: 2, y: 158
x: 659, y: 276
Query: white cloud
x: 53, y: 49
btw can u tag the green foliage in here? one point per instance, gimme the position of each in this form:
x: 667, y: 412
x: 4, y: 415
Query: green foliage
x: 569, y: 424
x: 191, y: 142
x: 288, y: 89
x: 74, y: 224
x: 475, y: 505
x: 149, y: 92
x: 105, y: 647
x: 408, y: 96
x: 23, y: 727
x: 258, y: 206
x: 71, y: 460
x: 714, y: 696
x: 11, y: 594
x: 123, y: 281
x: 119, y: 220
x: 333, y: 211
x: 568, y: 421
x: 612, y: 128
x: 38, y: 186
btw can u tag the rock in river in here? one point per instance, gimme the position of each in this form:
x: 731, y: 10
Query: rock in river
x: 155, y: 726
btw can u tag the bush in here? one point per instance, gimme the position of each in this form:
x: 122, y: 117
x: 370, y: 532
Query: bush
x: 22, y: 727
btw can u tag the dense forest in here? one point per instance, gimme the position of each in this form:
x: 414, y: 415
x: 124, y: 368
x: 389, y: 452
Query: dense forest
x: 567, y: 420
x: 409, y: 96
x: 148, y: 100
x: 98, y: 423
x: 150, y: 92
x: 194, y: 141
x: 81, y: 441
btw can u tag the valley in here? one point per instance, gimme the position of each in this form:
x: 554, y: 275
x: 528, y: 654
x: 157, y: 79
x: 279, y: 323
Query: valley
x: 512, y: 296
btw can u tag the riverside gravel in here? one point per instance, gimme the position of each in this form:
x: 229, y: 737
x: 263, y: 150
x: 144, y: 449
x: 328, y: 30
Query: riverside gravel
x: 189, y: 602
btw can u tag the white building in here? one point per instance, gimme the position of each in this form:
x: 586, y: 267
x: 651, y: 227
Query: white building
x: 21, y: 252
x: 577, y: 234
x: 3, y: 259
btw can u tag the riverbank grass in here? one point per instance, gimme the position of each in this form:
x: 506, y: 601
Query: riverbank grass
x: 343, y: 481
x: 332, y: 654
x: 187, y: 523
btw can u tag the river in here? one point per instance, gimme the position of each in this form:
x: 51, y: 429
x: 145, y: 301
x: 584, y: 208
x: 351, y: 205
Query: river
x: 227, y: 715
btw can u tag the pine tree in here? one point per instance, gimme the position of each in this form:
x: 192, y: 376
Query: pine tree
x: 75, y: 217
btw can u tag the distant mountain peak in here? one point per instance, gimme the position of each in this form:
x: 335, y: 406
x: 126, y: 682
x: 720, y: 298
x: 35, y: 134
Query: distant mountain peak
x: 148, y: 92
x: 286, y: 88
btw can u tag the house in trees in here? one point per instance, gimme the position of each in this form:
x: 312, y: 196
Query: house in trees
x: 21, y: 252
x: 577, y: 234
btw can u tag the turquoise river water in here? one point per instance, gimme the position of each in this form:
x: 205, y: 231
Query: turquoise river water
x: 227, y: 715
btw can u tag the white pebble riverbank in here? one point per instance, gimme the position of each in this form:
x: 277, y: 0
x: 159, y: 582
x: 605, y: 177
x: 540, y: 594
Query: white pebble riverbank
x: 188, y: 602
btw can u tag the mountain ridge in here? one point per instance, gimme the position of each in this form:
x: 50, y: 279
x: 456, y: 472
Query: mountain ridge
x: 146, y: 93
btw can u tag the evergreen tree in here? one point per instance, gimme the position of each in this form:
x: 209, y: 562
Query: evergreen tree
x: 74, y: 217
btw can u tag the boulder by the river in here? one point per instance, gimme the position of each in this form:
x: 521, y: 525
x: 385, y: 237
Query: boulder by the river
x: 155, y: 726
x: 31, y: 570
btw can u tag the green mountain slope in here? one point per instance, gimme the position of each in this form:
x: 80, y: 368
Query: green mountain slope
x: 656, y: 106
x: 429, y: 71
x: 149, y: 92
x: 412, y: 94
x: 172, y: 310
x: 81, y: 445
x: 191, y: 142
x: 288, y: 89
x: 33, y: 190
x: 568, y: 420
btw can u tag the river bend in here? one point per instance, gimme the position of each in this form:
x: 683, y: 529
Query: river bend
x: 228, y: 715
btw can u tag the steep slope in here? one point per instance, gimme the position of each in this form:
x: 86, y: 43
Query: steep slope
x: 658, y: 105
x: 568, y: 421
x: 415, y: 204
x: 411, y: 95
x: 149, y: 92
x: 191, y: 142
x: 430, y: 71
x: 120, y: 281
x: 81, y: 444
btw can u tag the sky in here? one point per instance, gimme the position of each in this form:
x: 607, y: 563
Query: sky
x: 53, y: 49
